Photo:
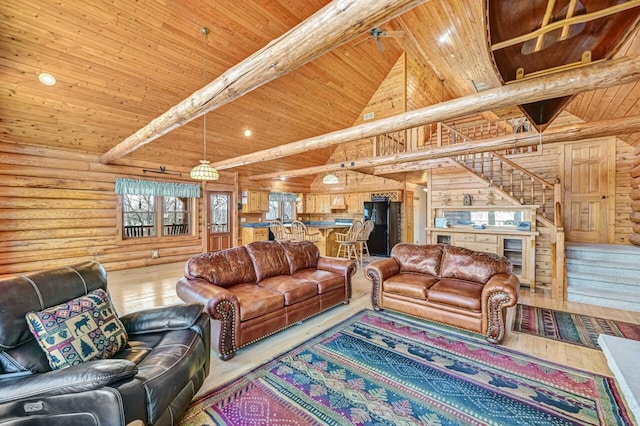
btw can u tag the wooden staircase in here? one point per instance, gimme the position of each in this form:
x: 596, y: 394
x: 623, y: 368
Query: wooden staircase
x: 502, y: 176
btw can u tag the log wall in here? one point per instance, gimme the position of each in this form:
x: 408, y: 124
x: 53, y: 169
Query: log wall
x: 58, y: 207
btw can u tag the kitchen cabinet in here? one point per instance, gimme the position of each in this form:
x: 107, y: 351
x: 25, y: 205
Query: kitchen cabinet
x: 257, y: 202
x: 318, y: 203
x: 355, y: 202
x: 250, y: 234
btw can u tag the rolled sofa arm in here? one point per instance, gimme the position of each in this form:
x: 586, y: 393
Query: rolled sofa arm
x: 346, y: 267
x: 376, y: 272
x: 499, y: 293
x: 220, y: 304
x: 78, y: 378
x: 176, y: 317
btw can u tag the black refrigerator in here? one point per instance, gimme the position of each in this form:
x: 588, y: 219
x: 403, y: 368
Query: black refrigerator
x: 386, y: 232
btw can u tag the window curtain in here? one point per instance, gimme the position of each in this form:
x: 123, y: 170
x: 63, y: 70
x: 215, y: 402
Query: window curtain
x: 283, y: 197
x: 162, y: 189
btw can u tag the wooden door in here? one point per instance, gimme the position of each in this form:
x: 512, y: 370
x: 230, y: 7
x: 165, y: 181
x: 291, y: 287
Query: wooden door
x: 587, y: 191
x: 219, y: 221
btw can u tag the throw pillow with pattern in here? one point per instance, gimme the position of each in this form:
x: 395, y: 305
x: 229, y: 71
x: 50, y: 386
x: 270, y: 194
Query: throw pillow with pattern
x: 79, y: 330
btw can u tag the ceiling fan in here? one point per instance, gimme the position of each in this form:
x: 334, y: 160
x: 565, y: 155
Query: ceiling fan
x: 377, y: 34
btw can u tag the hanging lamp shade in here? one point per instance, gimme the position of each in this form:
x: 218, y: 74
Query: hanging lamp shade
x: 330, y: 179
x: 204, y: 171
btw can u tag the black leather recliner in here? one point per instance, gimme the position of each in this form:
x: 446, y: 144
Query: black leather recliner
x: 153, y: 379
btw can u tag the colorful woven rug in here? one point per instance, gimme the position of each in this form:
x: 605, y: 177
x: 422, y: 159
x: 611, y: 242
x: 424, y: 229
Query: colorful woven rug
x: 379, y: 368
x: 582, y: 330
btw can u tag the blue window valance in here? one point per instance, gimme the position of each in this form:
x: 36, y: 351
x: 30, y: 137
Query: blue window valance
x: 162, y: 189
x: 283, y: 197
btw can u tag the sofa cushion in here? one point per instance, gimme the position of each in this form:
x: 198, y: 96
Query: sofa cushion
x: 255, y: 300
x: 222, y: 268
x: 409, y: 284
x: 469, y: 265
x: 463, y: 294
x: 422, y: 259
x: 268, y: 259
x: 293, y: 289
x: 326, y: 281
x: 301, y: 255
x: 79, y: 330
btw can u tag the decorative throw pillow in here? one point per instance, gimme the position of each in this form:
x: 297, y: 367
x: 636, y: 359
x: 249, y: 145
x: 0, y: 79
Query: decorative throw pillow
x: 80, y: 330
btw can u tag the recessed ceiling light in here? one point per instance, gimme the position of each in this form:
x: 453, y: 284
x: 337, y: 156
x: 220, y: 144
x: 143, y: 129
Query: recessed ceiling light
x: 247, y: 132
x: 283, y: 178
x: 47, y: 79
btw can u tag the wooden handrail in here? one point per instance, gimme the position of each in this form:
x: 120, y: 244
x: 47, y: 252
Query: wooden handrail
x: 524, y: 171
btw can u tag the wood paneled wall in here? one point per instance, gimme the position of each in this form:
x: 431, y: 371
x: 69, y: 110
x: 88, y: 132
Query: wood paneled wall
x: 59, y: 207
x: 547, y: 164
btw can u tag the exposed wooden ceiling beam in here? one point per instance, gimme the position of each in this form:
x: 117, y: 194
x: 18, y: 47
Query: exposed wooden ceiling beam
x: 330, y: 27
x: 389, y: 163
x: 596, y: 76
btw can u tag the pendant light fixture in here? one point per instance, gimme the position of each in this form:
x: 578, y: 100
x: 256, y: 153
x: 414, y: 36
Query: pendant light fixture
x: 204, y: 171
x: 331, y: 178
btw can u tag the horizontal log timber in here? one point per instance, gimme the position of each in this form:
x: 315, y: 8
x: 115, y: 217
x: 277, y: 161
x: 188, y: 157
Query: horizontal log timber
x: 563, y: 83
x: 338, y: 22
x: 516, y: 140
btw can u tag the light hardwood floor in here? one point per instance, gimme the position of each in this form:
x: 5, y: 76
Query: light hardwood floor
x: 136, y: 289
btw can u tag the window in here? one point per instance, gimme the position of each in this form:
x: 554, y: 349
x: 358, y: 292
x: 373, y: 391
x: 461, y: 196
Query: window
x: 282, y: 210
x: 176, y: 215
x: 219, y: 212
x: 282, y: 206
x: 139, y: 215
x: 156, y: 209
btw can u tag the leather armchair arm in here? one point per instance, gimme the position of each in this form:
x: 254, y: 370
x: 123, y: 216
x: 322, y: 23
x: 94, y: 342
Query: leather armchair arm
x: 176, y: 317
x: 499, y: 293
x: 78, y: 378
x: 376, y: 272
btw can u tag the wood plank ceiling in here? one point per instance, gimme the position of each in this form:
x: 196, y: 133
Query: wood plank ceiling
x: 120, y: 64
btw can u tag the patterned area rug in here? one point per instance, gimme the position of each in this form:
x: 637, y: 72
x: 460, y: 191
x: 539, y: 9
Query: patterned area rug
x: 379, y: 368
x: 582, y: 330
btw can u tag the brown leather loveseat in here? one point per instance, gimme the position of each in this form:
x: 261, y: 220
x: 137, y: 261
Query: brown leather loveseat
x: 255, y: 290
x: 447, y: 284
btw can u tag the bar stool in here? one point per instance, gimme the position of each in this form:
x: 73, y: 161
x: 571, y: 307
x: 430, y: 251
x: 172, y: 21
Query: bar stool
x: 367, y: 228
x: 299, y: 232
x: 279, y: 232
x: 348, y: 242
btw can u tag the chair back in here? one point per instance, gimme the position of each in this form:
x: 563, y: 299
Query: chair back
x: 279, y: 231
x: 298, y: 231
x: 367, y: 228
x: 34, y: 292
x: 355, y: 231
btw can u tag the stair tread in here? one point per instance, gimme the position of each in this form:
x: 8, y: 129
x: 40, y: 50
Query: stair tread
x: 608, y: 248
x: 626, y: 296
x: 607, y: 264
x: 607, y: 278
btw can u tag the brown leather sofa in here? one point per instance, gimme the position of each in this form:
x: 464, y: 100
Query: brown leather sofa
x: 447, y: 284
x: 255, y: 290
x: 152, y: 379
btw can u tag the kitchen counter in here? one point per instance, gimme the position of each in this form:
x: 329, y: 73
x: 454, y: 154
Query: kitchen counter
x: 318, y: 225
x: 254, y: 231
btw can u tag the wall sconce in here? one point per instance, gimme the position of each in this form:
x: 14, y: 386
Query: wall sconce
x: 444, y: 199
